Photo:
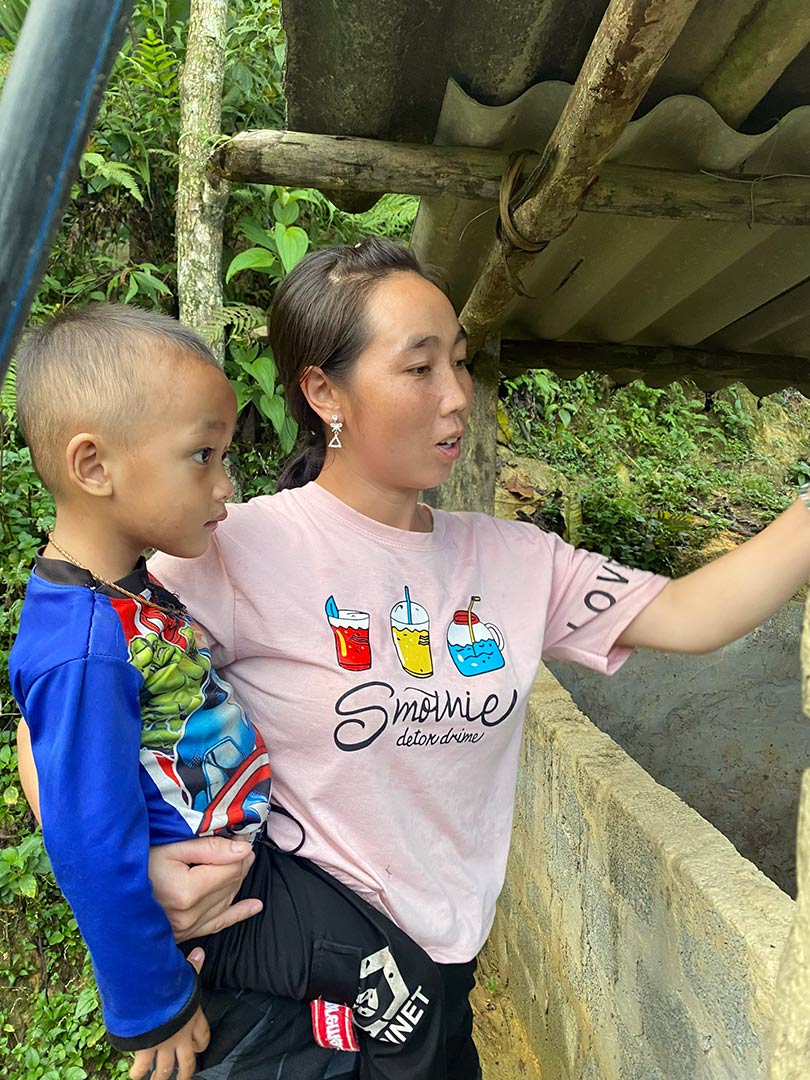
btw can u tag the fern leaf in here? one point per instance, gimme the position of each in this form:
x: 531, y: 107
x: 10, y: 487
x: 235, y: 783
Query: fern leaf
x: 8, y: 392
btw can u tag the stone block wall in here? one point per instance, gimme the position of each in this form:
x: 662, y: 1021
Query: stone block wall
x: 637, y: 943
x: 725, y: 731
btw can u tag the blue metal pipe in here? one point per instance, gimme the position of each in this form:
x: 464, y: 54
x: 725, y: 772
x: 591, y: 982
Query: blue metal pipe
x: 64, y: 55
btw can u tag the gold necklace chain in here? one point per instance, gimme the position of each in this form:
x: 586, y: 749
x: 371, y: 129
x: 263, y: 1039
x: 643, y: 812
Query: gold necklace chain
x: 111, y: 584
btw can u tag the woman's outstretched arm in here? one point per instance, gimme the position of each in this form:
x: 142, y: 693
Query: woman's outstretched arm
x: 724, y: 599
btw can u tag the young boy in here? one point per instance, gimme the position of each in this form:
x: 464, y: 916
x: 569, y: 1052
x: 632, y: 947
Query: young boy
x: 135, y: 738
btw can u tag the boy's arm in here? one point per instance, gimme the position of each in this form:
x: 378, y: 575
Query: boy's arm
x: 176, y: 1056
x: 194, y: 881
x: 85, y: 726
x: 27, y: 769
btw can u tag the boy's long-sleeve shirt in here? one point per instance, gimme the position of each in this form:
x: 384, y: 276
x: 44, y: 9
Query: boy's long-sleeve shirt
x: 136, y: 742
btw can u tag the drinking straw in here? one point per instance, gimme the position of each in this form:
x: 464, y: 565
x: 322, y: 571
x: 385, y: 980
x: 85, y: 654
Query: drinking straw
x: 469, y: 617
x: 408, y: 603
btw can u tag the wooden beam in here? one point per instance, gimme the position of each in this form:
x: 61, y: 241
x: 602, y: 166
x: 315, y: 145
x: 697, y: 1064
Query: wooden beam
x: 767, y: 43
x: 342, y: 163
x: 630, y: 45
x: 659, y: 365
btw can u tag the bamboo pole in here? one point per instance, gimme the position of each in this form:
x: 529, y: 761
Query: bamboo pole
x: 769, y: 41
x: 630, y: 45
x: 343, y: 163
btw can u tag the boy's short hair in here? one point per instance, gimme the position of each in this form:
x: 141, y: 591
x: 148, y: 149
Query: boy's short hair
x: 85, y: 369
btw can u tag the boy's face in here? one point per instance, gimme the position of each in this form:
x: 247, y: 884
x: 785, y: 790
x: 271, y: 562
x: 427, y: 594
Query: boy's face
x: 170, y: 484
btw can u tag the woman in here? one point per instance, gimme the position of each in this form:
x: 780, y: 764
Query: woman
x: 386, y: 650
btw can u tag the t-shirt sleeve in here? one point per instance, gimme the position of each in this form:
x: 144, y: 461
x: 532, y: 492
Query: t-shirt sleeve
x: 592, y: 600
x: 85, y: 727
x: 207, y: 591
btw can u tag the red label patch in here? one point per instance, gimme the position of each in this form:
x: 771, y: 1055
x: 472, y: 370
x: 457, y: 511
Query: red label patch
x: 332, y: 1025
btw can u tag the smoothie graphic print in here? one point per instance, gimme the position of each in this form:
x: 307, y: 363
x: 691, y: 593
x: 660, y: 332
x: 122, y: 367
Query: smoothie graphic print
x: 475, y: 647
x: 410, y: 629
x: 350, y: 629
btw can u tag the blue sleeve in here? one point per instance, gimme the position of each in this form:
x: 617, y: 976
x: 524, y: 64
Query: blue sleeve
x: 85, y: 726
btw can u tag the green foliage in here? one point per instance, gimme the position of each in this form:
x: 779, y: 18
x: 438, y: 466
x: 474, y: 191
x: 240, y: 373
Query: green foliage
x: 12, y: 14
x: 644, y: 471
x: 253, y: 376
x: 20, y: 865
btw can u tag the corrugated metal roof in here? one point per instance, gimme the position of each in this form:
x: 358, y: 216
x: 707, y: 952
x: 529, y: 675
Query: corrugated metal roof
x: 638, y: 280
x: 380, y: 68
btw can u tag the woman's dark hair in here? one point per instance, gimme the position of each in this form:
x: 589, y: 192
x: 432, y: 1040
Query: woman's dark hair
x: 319, y: 319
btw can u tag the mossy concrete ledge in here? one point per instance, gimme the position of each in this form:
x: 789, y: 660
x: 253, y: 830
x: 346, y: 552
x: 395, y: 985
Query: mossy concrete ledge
x: 636, y: 941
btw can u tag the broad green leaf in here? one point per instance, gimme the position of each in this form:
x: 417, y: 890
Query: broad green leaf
x: 28, y: 885
x: 273, y: 409
x: 292, y: 243
x: 244, y: 393
x: 86, y: 1002
x: 254, y: 258
x: 288, y: 434
x: 303, y: 194
x: 286, y: 213
x: 264, y: 371
x: 255, y: 232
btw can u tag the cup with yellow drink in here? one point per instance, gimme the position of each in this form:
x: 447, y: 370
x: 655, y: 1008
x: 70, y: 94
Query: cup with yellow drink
x: 410, y: 629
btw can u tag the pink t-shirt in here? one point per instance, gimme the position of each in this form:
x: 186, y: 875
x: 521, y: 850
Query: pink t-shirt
x: 388, y: 672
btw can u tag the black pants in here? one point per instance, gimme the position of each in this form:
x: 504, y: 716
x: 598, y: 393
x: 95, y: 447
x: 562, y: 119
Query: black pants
x: 316, y: 938
x: 255, y: 1036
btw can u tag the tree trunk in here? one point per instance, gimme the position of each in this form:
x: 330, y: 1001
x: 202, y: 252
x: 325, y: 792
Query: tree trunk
x: 471, y: 485
x: 201, y: 197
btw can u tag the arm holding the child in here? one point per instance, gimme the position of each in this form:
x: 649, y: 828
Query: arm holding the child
x: 195, y: 881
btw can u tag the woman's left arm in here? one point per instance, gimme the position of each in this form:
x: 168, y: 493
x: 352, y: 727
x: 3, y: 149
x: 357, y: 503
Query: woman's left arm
x: 726, y: 598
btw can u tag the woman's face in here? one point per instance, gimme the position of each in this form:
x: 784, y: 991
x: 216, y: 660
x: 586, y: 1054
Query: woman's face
x: 408, y: 396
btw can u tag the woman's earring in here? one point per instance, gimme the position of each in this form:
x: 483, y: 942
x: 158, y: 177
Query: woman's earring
x: 337, y: 427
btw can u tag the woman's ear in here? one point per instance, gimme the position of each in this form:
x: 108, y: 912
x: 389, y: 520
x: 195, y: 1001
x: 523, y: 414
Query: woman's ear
x: 321, y: 393
x: 87, y: 465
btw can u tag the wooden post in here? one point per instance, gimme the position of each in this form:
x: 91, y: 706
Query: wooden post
x: 630, y: 45
x: 342, y: 163
x: 471, y: 485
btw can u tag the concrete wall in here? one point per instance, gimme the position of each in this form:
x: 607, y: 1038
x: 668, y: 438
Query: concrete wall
x: 724, y: 731
x: 637, y: 943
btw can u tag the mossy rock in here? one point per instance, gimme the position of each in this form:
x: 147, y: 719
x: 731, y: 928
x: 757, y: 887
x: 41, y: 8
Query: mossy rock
x: 780, y: 436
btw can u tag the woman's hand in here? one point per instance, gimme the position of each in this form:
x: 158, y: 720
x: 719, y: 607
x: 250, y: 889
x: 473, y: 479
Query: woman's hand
x: 180, y: 1051
x: 195, y: 882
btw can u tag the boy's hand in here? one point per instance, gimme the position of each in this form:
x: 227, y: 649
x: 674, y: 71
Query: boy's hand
x: 180, y: 1051
x: 195, y: 881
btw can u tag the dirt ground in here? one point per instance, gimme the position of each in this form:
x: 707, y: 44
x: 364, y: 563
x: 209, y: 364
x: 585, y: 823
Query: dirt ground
x: 499, y: 1035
